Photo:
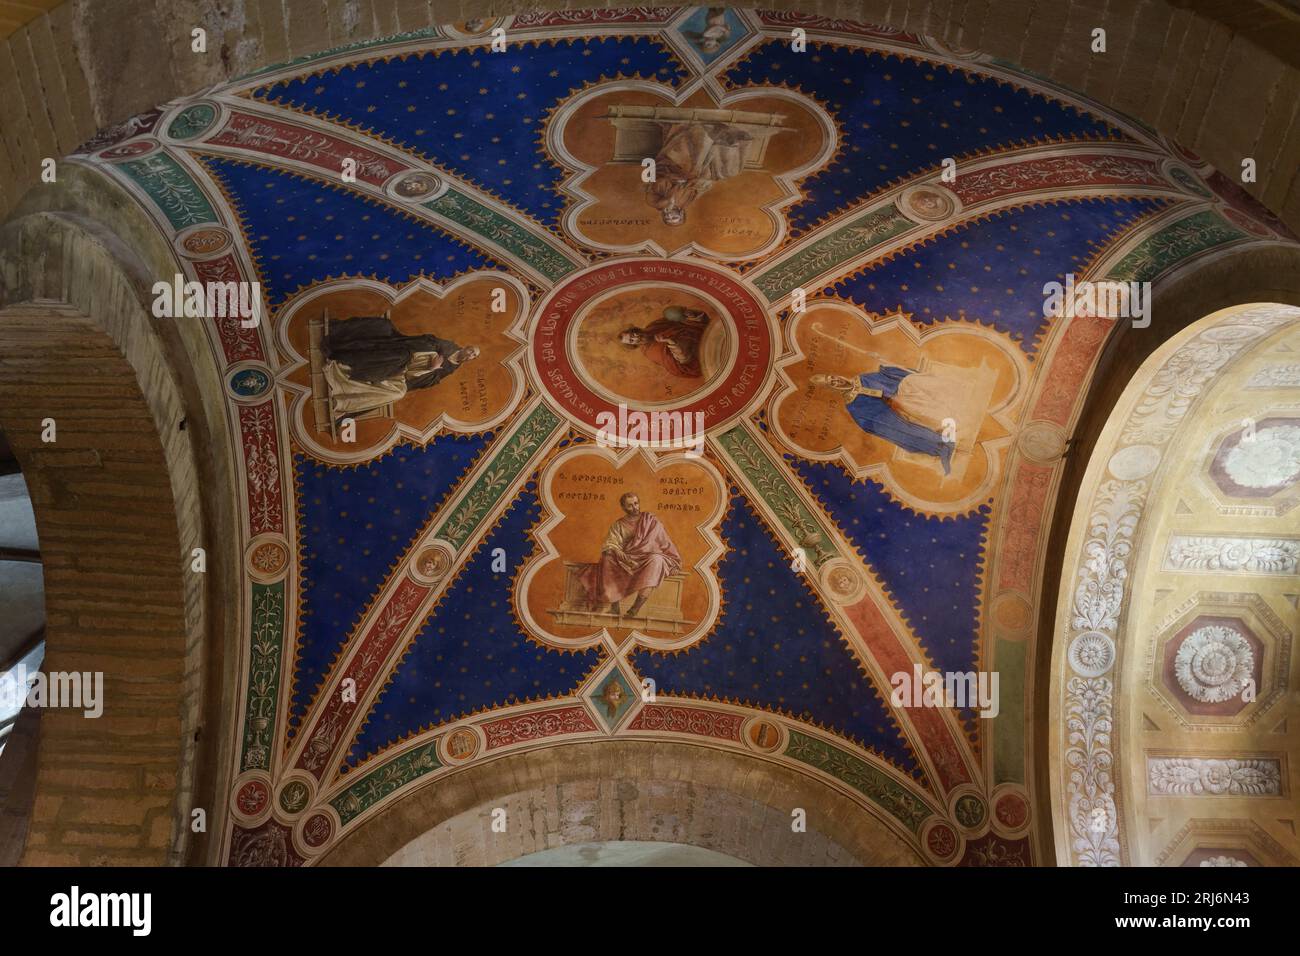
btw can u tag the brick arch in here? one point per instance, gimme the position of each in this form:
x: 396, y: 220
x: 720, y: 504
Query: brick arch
x: 121, y: 498
x: 102, y: 500
x: 1222, y: 87
x: 601, y: 791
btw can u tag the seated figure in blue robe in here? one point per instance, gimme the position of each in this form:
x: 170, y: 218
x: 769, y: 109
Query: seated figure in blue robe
x: 869, y: 405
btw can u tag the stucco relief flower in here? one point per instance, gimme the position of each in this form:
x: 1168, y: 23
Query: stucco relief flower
x: 1214, y: 663
x: 1269, y: 460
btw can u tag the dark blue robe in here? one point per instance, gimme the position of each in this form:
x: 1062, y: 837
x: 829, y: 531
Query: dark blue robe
x: 876, y: 417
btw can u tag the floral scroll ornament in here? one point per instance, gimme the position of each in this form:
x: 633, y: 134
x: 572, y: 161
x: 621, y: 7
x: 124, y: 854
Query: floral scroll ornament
x: 1199, y: 776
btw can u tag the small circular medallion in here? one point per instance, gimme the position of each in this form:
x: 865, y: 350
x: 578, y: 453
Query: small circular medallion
x: 252, y: 798
x: 192, y: 121
x: 317, y: 830
x: 1042, y: 442
x: 1227, y: 334
x: 294, y: 797
x: 248, y: 382
x: 1011, y: 811
x: 461, y: 745
x: 844, y: 583
x: 417, y: 187
x: 942, y: 842
x: 928, y: 202
x: 474, y: 27
x: 1011, y: 614
x: 1091, y: 654
x: 969, y: 811
x: 1185, y: 179
x: 762, y: 735
x: 431, y: 564
x: 267, y: 558
x: 203, y: 242
x: 1134, y: 462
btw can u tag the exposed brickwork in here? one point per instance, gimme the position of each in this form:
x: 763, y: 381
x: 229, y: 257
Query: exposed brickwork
x: 82, y: 242
x: 119, y: 509
x: 114, y: 587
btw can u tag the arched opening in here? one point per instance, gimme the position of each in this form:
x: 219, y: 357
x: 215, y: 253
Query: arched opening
x: 98, y: 476
x: 22, y: 648
x: 1172, y: 728
x: 623, y: 791
x: 106, y: 439
x: 22, y: 591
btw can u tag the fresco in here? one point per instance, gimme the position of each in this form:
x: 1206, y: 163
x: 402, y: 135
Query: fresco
x: 644, y: 377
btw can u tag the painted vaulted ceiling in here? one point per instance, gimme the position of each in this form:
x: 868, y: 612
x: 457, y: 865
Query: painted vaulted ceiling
x: 424, y: 586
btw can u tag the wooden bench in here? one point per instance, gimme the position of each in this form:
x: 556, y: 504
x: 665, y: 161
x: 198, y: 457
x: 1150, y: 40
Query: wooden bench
x: 662, y: 610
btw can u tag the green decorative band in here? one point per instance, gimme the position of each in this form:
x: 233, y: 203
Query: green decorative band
x: 757, y: 464
x: 1186, y: 237
x: 382, y: 781
x: 501, y: 231
x: 192, y: 121
x: 880, y: 788
x: 1008, y: 726
x: 846, y: 243
x: 172, y: 189
x: 493, y: 481
x: 263, y: 675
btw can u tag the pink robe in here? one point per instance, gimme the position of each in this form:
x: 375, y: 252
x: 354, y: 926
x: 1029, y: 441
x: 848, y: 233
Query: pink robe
x: 648, y: 556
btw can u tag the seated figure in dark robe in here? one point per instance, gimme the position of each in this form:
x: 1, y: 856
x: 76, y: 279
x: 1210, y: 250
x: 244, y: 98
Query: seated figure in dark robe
x: 369, y: 363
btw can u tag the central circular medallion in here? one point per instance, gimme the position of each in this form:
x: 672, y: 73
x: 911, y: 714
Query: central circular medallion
x: 652, y: 345
x: 671, y: 336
